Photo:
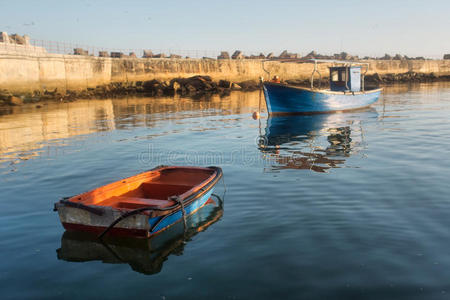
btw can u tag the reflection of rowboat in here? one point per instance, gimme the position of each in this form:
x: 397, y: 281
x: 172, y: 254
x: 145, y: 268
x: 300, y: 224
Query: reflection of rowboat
x: 143, y: 255
x: 141, y: 205
x: 346, y: 92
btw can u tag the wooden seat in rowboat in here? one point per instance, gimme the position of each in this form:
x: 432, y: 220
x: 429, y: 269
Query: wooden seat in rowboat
x: 145, y: 195
x: 135, y: 202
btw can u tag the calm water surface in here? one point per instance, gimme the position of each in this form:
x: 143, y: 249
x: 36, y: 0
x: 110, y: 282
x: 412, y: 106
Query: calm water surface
x: 339, y: 206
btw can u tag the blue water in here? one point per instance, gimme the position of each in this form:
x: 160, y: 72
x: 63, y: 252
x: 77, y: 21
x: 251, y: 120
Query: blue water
x: 341, y: 206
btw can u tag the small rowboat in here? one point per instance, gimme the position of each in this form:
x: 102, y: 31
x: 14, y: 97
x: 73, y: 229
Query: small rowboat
x: 142, y: 205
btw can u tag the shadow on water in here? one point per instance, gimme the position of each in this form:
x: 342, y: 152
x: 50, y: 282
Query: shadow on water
x: 314, y: 142
x: 145, y: 256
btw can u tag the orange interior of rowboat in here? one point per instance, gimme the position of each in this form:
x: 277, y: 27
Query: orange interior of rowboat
x: 152, y: 188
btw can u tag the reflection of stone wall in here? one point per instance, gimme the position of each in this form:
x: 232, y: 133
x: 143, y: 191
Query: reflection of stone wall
x: 22, y: 71
x: 30, y: 131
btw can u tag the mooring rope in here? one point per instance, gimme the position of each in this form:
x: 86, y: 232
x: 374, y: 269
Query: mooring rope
x: 183, y: 212
x: 218, y: 199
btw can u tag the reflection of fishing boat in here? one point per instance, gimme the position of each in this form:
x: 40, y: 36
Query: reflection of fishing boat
x: 346, y: 92
x: 284, y: 129
x: 143, y: 255
x: 141, y: 205
x: 294, y: 142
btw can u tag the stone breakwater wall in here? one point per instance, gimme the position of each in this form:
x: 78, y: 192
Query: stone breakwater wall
x: 24, y: 73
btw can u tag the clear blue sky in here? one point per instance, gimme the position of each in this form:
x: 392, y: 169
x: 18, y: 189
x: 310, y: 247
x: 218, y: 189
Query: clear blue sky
x: 414, y: 28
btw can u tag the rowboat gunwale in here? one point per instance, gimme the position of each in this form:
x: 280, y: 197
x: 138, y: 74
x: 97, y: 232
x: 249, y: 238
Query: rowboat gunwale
x: 136, y: 178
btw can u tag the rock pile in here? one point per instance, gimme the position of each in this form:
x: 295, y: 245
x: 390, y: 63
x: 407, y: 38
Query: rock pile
x: 377, y: 79
x: 6, y: 98
x: 286, y: 54
x: 223, y: 55
x: 237, y: 55
x: 14, y: 38
x: 195, y: 87
x: 117, y: 55
x: 80, y: 51
x: 147, y: 54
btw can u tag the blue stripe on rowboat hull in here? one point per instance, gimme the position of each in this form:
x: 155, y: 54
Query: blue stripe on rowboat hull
x: 282, y: 99
x: 178, y: 215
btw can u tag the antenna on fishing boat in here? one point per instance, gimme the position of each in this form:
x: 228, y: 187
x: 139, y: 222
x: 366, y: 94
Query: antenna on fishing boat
x: 312, y: 75
x: 261, y: 81
x: 256, y: 114
x: 264, y: 69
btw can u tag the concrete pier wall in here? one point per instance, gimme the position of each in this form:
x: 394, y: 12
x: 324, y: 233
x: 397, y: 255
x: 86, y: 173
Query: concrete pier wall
x: 27, y: 71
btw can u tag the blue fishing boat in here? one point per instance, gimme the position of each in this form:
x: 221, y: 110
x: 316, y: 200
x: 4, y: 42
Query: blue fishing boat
x: 346, y: 92
x: 142, y: 205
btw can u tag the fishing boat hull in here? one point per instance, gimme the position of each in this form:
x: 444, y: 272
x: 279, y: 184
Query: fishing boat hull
x: 96, y: 210
x: 285, y: 99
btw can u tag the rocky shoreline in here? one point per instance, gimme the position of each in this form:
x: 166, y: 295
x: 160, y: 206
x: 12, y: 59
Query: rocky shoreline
x: 196, y: 87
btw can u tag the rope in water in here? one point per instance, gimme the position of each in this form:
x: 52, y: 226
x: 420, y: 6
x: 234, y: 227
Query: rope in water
x: 183, y: 212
